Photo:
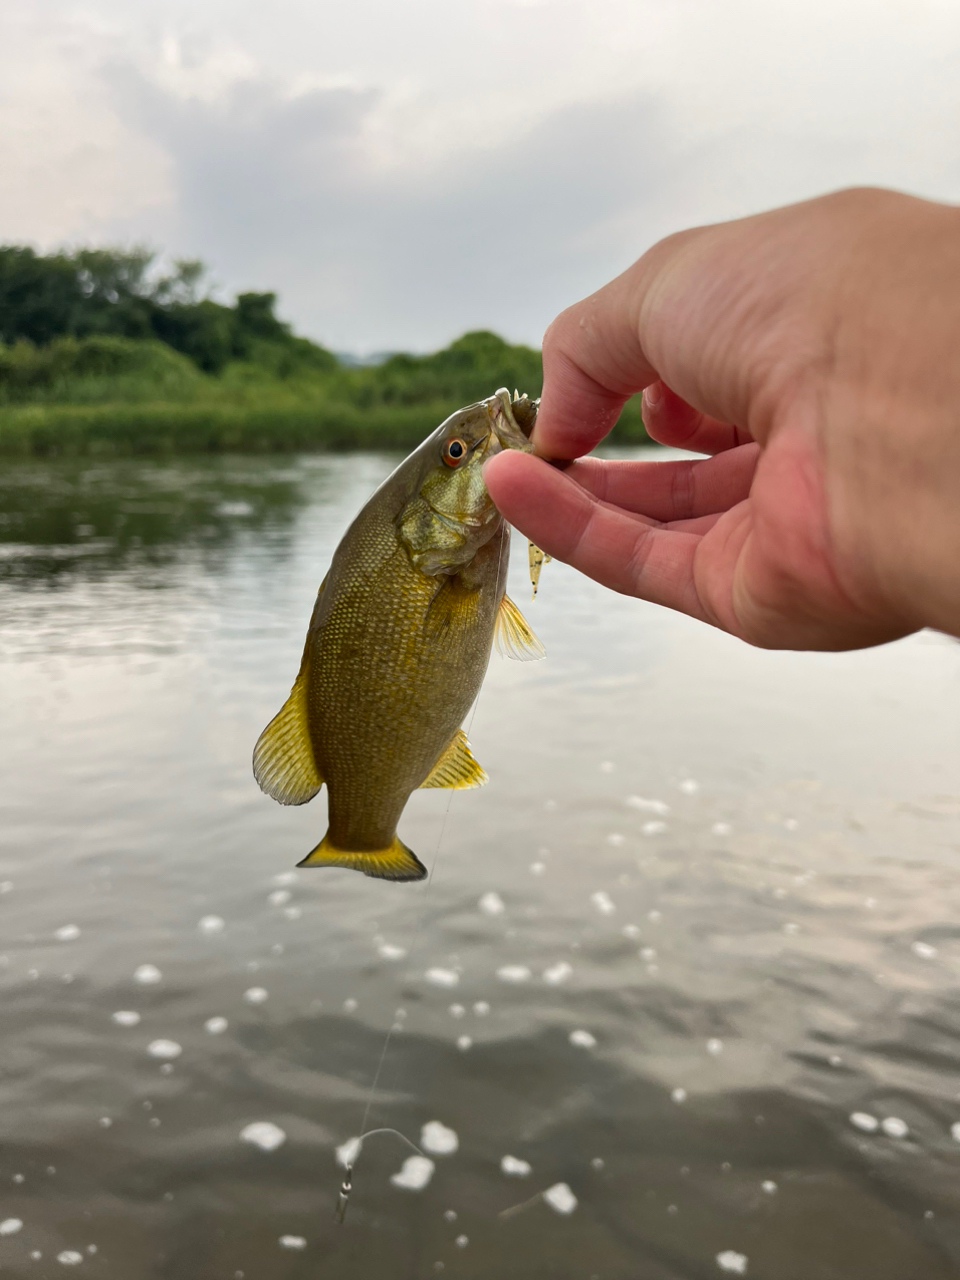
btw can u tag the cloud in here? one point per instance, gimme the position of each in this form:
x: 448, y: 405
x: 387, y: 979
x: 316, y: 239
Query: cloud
x: 402, y: 173
x: 290, y: 191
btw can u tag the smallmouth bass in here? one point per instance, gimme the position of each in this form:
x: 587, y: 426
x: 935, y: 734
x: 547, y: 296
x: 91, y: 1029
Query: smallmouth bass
x: 398, y: 645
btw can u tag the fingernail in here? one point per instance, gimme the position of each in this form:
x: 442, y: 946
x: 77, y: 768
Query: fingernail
x: 653, y: 394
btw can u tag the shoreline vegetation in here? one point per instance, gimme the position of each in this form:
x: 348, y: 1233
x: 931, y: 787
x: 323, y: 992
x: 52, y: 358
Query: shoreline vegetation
x: 101, y: 353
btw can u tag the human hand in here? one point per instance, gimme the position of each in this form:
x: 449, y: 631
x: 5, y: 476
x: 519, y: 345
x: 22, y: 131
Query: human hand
x: 814, y: 352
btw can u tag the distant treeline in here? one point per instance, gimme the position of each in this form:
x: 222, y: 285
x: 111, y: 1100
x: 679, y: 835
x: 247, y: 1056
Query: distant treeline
x: 102, y: 352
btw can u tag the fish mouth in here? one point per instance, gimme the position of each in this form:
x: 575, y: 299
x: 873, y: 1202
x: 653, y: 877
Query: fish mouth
x: 512, y: 421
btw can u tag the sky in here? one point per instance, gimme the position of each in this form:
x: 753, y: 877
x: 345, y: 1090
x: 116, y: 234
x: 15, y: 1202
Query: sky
x: 402, y: 171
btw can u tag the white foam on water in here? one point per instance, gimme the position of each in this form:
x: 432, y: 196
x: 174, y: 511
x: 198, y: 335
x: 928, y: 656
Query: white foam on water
x: 923, y: 950
x: 894, y: 1127
x: 264, y: 1134
x: 654, y: 828
x: 514, y: 1167
x: 348, y: 1151
x: 457, y: 1011
x: 714, y: 1047
x: 125, y: 1017
x: 440, y: 977
x: 10, y: 1226
x: 648, y: 954
x: 560, y: 1198
x: 211, y: 924
x: 450, y: 1215
x: 583, y: 1039
x: 436, y: 1138
x: 256, y: 995
x: 537, y: 868
x: 414, y: 1174
x: 769, y: 1187
x: 730, y: 1260
x: 863, y: 1120
x: 69, y: 1257
x: 606, y: 766
x: 603, y: 902
x: 616, y: 839
x: 557, y: 973
x: 285, y: 877
x: 722, y: 829
x: 955, y: 1131
x: 147, y: 975
x: 835, y: 1060
x: 67, y: 933
x: 292, y: 1242
x: 679, y: 1095
x: 293, y: 913
x: 462, y: 1241
x: 631, y: 931
x: 279, y: 897
x: 791, y: 824
x: 689, y: 786
x: 215, y: 1026
x: 492, y: 904
x: 464, y: 1043
x: 791, y: 928
x: 388, y: 951
x: 654, y: 916
x: 6, y: 886
x: 481, y: 1008
x: 164, y: 1049
x: 648, y: 806
x: 350, y: 1005
x: 513, y: 973
x: 105, y: 1122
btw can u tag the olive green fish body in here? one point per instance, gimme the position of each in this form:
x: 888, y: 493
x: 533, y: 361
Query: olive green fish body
x: 397, y: 648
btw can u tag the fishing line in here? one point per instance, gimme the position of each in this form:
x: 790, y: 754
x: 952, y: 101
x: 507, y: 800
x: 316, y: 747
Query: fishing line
x: 347, y: 1185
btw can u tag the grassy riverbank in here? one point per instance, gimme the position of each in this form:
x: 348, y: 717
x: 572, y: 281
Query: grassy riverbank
x: 108, y: 395
x: 102, y: 354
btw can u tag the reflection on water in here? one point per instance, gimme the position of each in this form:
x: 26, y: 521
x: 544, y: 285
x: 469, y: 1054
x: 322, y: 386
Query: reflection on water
x: 704, y: 913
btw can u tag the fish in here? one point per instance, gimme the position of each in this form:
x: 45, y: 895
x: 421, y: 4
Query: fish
x: 398, y: 646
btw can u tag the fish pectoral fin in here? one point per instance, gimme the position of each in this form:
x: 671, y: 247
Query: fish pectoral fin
x: 396, y: 862
x: 456, y: 768
x: 513, y: 634
x: 283, y: 762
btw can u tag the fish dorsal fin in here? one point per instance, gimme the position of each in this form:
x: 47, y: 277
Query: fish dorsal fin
x: 456, y: 768
x: 514, y: 635
x: 537, y: 559
x: 283, y: 761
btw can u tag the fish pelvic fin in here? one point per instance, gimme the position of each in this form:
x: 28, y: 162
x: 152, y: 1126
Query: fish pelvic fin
x: 396, y: 862
x: 514, y: 635
x: 283, y: 762
x: 456, y: 769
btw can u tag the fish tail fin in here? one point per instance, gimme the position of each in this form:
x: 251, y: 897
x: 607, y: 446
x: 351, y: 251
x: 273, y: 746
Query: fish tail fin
x: 395, y: 862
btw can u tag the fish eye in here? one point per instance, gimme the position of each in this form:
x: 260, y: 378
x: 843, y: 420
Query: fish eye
x: 454, y: 452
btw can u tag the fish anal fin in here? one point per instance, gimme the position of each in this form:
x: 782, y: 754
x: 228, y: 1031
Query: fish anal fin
x: 456, y: 769
x: 514, y: 635
x: 395, y: 862
x: 283, y: 762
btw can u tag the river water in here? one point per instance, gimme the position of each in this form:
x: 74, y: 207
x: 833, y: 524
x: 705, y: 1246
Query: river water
x: 705, y: 912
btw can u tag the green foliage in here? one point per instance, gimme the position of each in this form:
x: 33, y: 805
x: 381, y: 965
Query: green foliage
x: 100, y: 352
x: 121, y: 292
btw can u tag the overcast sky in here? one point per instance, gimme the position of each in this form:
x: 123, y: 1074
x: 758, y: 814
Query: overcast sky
x: 400, y: 171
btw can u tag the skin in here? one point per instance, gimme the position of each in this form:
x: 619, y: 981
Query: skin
x: 814, y: 353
